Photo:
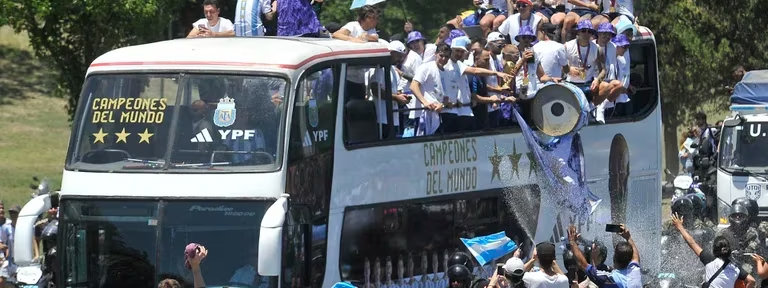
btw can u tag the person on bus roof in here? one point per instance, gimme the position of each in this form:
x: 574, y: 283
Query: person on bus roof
x: 376, y: 84
x: 212, y: 25
x: 364, y: 29
x: 582, y: 56
x: 525, y: 17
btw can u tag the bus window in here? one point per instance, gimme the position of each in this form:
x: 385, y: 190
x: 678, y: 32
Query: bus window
x: 367, y: 100
x: 314, y: 115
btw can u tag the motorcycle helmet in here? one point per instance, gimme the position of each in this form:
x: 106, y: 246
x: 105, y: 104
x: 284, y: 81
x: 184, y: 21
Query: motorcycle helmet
x: 699, y: 204
x: 461, y: 258
x: 50, y: 230
x: 684, y: 207
x: 752, y: 207
x: 603, y: 252
x: 739, y: 214
x: 459, y: 273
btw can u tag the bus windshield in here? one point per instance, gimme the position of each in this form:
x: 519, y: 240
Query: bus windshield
x: 742, y: 147
x: 138, y: 243
x: 178, y: 121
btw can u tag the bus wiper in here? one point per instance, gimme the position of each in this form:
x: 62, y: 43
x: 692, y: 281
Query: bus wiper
x: 147, y: 164
x: 744, y: 172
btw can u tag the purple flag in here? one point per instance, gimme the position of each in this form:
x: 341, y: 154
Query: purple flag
x: 559, y: 167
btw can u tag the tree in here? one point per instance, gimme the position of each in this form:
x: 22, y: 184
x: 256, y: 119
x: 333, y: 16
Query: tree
x: 699, y: 43
x: 71, y: 34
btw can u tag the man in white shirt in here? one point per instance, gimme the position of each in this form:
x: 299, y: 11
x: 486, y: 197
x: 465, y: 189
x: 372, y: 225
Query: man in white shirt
x: 511, y: 26
x: 434, y: 83
x: 551, y: 54
x: 418, y: 52
x: 495, y: 45
x: 607, y: 76
x: 376, y: 85
x: 212, y: 25
x: 248, y: 14
x: 546, y: 277
x: 364, y: 29
x: 582, y: 58
x: 530, y: 75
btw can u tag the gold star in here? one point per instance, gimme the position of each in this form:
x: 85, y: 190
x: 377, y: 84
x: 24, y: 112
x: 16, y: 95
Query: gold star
x: 122, y: 136
x: 532, y: 166
x: 495, y: 161
x: 515, y: 159
x: 99, y: 136
x: 145, y: 136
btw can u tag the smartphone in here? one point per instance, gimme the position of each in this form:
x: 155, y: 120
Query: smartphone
x: 500, y: 269
x: 747, y: 254
x: 201, y: 26
x: 613, y: 228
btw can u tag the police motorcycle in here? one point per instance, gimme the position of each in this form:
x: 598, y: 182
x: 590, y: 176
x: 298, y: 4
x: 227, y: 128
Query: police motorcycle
x: 679, y: 266
x: 35, y: 272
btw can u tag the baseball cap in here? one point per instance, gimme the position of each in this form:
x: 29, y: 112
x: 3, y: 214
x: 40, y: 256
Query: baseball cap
x: 495, y: 36
x: 546, y: 250
x: 396, y: 46
x: 525, y: 2
x: 514, y: 266
x: 190, y: 252
x: 15, y: 209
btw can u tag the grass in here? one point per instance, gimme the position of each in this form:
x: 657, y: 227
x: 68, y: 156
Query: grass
x: 35, y: 130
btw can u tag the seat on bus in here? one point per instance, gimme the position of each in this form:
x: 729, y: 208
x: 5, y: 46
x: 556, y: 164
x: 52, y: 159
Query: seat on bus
x: 360, y: 117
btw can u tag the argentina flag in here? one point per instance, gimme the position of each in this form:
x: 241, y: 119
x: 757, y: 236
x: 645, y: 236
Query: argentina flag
x: 490, y: 247
x: 560, y: 170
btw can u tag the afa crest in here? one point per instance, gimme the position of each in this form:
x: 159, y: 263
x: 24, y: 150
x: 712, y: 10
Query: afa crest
x: 753, y: 191
x: 225, y: 113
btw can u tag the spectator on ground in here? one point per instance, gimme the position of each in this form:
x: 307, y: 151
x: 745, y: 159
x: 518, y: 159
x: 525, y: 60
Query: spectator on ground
x: 720, y: 272
x: 248, y: 15
x: 212, y: 25
x: 626, y: 261
x: 550, y: 275
x: 364, y: 29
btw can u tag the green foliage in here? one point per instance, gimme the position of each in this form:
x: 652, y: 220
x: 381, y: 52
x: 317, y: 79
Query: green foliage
x: 426, y: 15
x: 71, y: 34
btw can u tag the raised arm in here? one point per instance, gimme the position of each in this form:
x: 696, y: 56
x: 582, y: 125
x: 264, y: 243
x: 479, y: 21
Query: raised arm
x: 678, y: 222
x: 577, y: 254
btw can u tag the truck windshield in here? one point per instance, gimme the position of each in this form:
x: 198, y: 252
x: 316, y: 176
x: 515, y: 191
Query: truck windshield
x: 138, y: 243
x: 743, y: 147
x: 178, y: 121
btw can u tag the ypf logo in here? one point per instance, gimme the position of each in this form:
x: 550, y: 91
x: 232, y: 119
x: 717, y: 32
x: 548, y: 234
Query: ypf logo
x: 752, y: 191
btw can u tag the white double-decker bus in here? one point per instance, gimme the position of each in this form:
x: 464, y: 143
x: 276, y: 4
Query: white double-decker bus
x: 262, y: 150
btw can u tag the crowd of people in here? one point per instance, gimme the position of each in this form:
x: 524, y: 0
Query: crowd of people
x: 481, y: 65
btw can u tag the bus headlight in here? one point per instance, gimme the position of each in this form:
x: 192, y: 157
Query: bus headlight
x: 723, y: 210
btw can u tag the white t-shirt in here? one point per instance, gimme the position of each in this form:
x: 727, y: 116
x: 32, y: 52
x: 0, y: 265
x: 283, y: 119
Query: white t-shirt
x: 539, y: 279
x: 248, y: 17
x: 355, y: 31
x: 727, y: 278
x: 511, y: 26
x: 610, y: 60
x: 552, y: 56
x: 381, y: 105
x: 589, y: 53
x: 458, y: 86
x: 429, y: 52
x: 411, y: 63
x: 429, y: 76
x: 533, y: 79
x: 624, y: 7
x: 223, y: 25
x: 569, y: 6
x: 493, y: 80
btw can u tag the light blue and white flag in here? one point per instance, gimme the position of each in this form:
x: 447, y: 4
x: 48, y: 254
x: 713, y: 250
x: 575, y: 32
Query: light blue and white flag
x: 360, y: 3
x: 490, y: 247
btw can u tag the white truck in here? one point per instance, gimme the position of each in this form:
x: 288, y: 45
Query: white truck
x: 742, y: 164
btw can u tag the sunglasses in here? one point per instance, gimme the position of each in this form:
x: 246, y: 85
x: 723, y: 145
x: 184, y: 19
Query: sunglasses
x: 522, y: 6
x: 585, y: 31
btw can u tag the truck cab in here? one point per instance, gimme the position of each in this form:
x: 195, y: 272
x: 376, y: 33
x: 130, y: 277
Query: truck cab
x: 742, y: 161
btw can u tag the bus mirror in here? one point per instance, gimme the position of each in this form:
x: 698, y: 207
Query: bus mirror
x: 25, y: 229
x: 733, y: 122
x: 271, y: 238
